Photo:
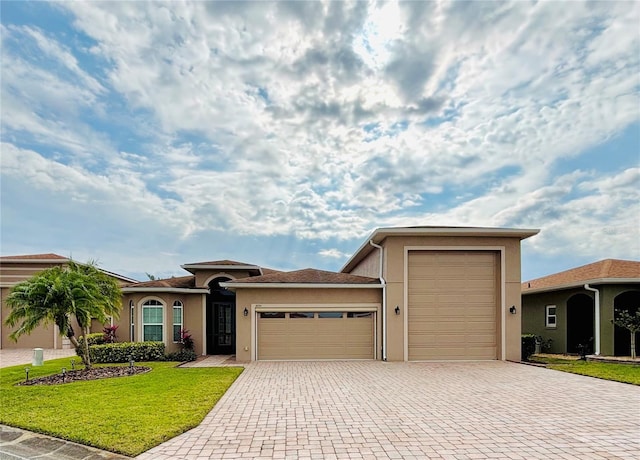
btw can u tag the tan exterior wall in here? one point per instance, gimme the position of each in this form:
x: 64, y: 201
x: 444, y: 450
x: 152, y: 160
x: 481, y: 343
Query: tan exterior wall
x: 369, y: 266
x: 204, y: 277
x: 192, y: 312
x: 12, y: 273
x: 394, y: 272
x: 248, y: 297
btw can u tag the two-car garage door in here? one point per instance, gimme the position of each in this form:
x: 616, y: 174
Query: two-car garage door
x: 304, y: 334
x: 452, y: 305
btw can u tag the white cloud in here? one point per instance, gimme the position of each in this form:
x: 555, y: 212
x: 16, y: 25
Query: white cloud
x: 323, y: 120
x: 333, y: 253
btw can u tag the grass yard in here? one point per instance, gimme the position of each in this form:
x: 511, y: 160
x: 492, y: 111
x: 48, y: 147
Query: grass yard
x: 625, y: 373
x: 127, y: 415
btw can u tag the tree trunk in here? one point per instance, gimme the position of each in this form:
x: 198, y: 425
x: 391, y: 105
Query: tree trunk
x: 86, y: 359
x: 633, y: 344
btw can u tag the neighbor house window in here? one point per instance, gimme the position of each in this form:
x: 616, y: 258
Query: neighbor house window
x: 550, y: 316
x: 152, y: 321
x: 177, y: 320
x: 132, y: 316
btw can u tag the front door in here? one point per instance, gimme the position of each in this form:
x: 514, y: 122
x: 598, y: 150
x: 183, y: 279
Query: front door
x: 222, y: 340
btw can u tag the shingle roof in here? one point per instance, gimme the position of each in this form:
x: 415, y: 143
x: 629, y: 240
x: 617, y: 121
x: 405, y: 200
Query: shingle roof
x: 604, y: 269
x: 221, y: 262
x: 48, y: 256
x: 308, y: 276
x: 177, y: 282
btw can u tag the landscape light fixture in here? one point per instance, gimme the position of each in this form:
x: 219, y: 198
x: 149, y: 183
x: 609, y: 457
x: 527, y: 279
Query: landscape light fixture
x: 26, y: 369
x: 397, y: 310
x: 512, y: 309
x: 245, y: 312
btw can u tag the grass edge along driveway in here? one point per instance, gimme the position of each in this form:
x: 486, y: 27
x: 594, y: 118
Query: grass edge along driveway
x: 624, y: 373
x: 126, y: 415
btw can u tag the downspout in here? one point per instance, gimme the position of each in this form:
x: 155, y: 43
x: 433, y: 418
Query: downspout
x: 597, y: 313
x: 384, y: 302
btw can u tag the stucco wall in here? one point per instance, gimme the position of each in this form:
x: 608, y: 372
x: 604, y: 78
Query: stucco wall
x: 394, y: 269
x: 533, y: 319
x: 204, y: 276
x: 192, y: 317
x: 246, y: 297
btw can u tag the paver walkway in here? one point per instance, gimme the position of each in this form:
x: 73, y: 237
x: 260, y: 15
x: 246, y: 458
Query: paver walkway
x: 361, y: 410
x: 25, y: 355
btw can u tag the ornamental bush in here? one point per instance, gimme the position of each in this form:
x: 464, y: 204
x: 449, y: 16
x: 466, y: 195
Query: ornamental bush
x: 97, y: 338
x: 182, y: 356
x: 528, y: 346
x: 122, y: 352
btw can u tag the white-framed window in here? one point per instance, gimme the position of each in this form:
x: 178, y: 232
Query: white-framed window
x: 177, y: 320
x: 132, y: 321
x: 550, y: 316
x: 152, y: 321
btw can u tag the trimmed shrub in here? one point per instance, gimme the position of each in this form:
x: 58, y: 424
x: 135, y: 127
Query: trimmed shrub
x: 121, y: 352
x: 182, y: 356
x: 97, y: 338
x: 528, y: 346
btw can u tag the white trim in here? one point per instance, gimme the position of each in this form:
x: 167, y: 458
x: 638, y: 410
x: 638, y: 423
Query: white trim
x: 254, y: 333
x: 133, y: 289
x: 503, y: 288
x: 547, y: 316
x: 345, y: 307
x: 204, y: 325
x: 579, y: 284
x: 300, y: 286
x: 320, y: 307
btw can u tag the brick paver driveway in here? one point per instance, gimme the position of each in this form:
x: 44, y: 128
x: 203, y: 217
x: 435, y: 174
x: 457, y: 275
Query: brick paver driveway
x: 359, y: 410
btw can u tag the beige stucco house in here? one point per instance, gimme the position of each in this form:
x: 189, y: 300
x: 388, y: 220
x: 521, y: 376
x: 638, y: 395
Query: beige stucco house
x: 407, y: 294
x: 14, y: 269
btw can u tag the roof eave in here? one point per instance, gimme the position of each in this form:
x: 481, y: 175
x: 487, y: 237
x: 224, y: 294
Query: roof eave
x: 579, y: 284
x: 233, y: 286
x: 34, y: 261
x: 133, y: 289
x: 190, y: 267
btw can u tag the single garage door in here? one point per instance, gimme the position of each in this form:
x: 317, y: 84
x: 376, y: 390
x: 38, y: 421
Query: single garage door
x: 453, y: 300
x: 315, y: 335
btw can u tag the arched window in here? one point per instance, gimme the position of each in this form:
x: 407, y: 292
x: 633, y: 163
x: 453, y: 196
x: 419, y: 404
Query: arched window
x: 177, y: 320
x: 153, y: 321
x: 132, y: 321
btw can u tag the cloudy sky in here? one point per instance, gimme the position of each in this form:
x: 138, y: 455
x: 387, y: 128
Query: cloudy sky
x: 148, y: 135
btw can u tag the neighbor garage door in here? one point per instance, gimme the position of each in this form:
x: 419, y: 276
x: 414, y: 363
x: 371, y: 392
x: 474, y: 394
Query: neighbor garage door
x: 452, y: 305
x: 315, y: 335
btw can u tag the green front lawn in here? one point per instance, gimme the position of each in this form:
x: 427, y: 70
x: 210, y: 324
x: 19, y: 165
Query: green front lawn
x: 625, y: 373
x: 128, y: 415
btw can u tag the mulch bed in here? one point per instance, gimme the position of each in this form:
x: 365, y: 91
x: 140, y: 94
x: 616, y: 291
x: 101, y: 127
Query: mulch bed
x: 90, y: 374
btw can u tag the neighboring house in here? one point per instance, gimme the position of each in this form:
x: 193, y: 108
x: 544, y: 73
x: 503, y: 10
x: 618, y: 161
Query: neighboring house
x: 14, y: 269
x: 575, y: 307
x: 407, y: 294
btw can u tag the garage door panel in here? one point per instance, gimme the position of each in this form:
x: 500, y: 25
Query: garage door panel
x: 295, y: 337
x: 452, y: 305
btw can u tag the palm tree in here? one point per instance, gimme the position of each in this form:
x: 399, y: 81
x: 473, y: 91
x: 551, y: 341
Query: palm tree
x: 58, y: 294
